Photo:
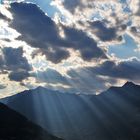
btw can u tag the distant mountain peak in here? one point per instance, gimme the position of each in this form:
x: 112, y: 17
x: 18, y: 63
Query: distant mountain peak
x: 40, y: 88
x: 128, y: 84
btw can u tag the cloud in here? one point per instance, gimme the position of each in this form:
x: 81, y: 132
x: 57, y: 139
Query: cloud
x: 55, y: 55
x: 2, y: 86
x: 50, y: 76
x: 4, y: 13
x: 71, y: 5
x: 86, y: 45
x: 18, y: 75
x: 13, y: 61
x: 103, y: 32
x: 74, y: 5
x: 86, y: 81
x: 95, y: 79
x: 79, y: 39
x: 3, y: 16
x: 128, y: 69
x: 83, y: 9
x: 76, y: 80
x: 119, y: 16
x: 40, y: 31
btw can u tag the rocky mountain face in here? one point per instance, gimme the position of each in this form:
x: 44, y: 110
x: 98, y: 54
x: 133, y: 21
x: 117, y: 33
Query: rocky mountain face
x: 111, y: 115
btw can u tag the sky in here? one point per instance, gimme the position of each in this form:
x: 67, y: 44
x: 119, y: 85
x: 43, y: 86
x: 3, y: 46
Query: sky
x: 77, y: 46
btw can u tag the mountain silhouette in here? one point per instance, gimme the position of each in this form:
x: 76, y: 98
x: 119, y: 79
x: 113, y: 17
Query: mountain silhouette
x: 111, y: 115
x: 14, y: 126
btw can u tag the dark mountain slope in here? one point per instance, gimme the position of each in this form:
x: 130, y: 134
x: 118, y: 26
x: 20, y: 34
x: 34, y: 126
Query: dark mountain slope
x: 112, y: 115
x: 14, y: 126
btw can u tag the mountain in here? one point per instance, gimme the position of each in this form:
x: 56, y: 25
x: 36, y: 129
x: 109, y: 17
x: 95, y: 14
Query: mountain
x: 14, y: 126
x: 111, y: 115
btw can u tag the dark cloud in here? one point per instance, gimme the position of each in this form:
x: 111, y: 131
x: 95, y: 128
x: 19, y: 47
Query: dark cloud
x: 77, y: 5
x: 35, y: 27
x: 51, y: 76
x: 3, y: 17
x: 18, y: 75
x: 56, y: 55
x: 71, y: 5
x: 134, y: 29
x: 2, y: 86
x: 129, y: 69
x: 88, y: 47
x: 13, y: 61
x: 6, y: 39
x: 103, y: 32
x: 39, y: 31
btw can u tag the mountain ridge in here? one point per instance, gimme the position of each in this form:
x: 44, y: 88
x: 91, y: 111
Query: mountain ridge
x: 110, y: 115
x: 51, y: 90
